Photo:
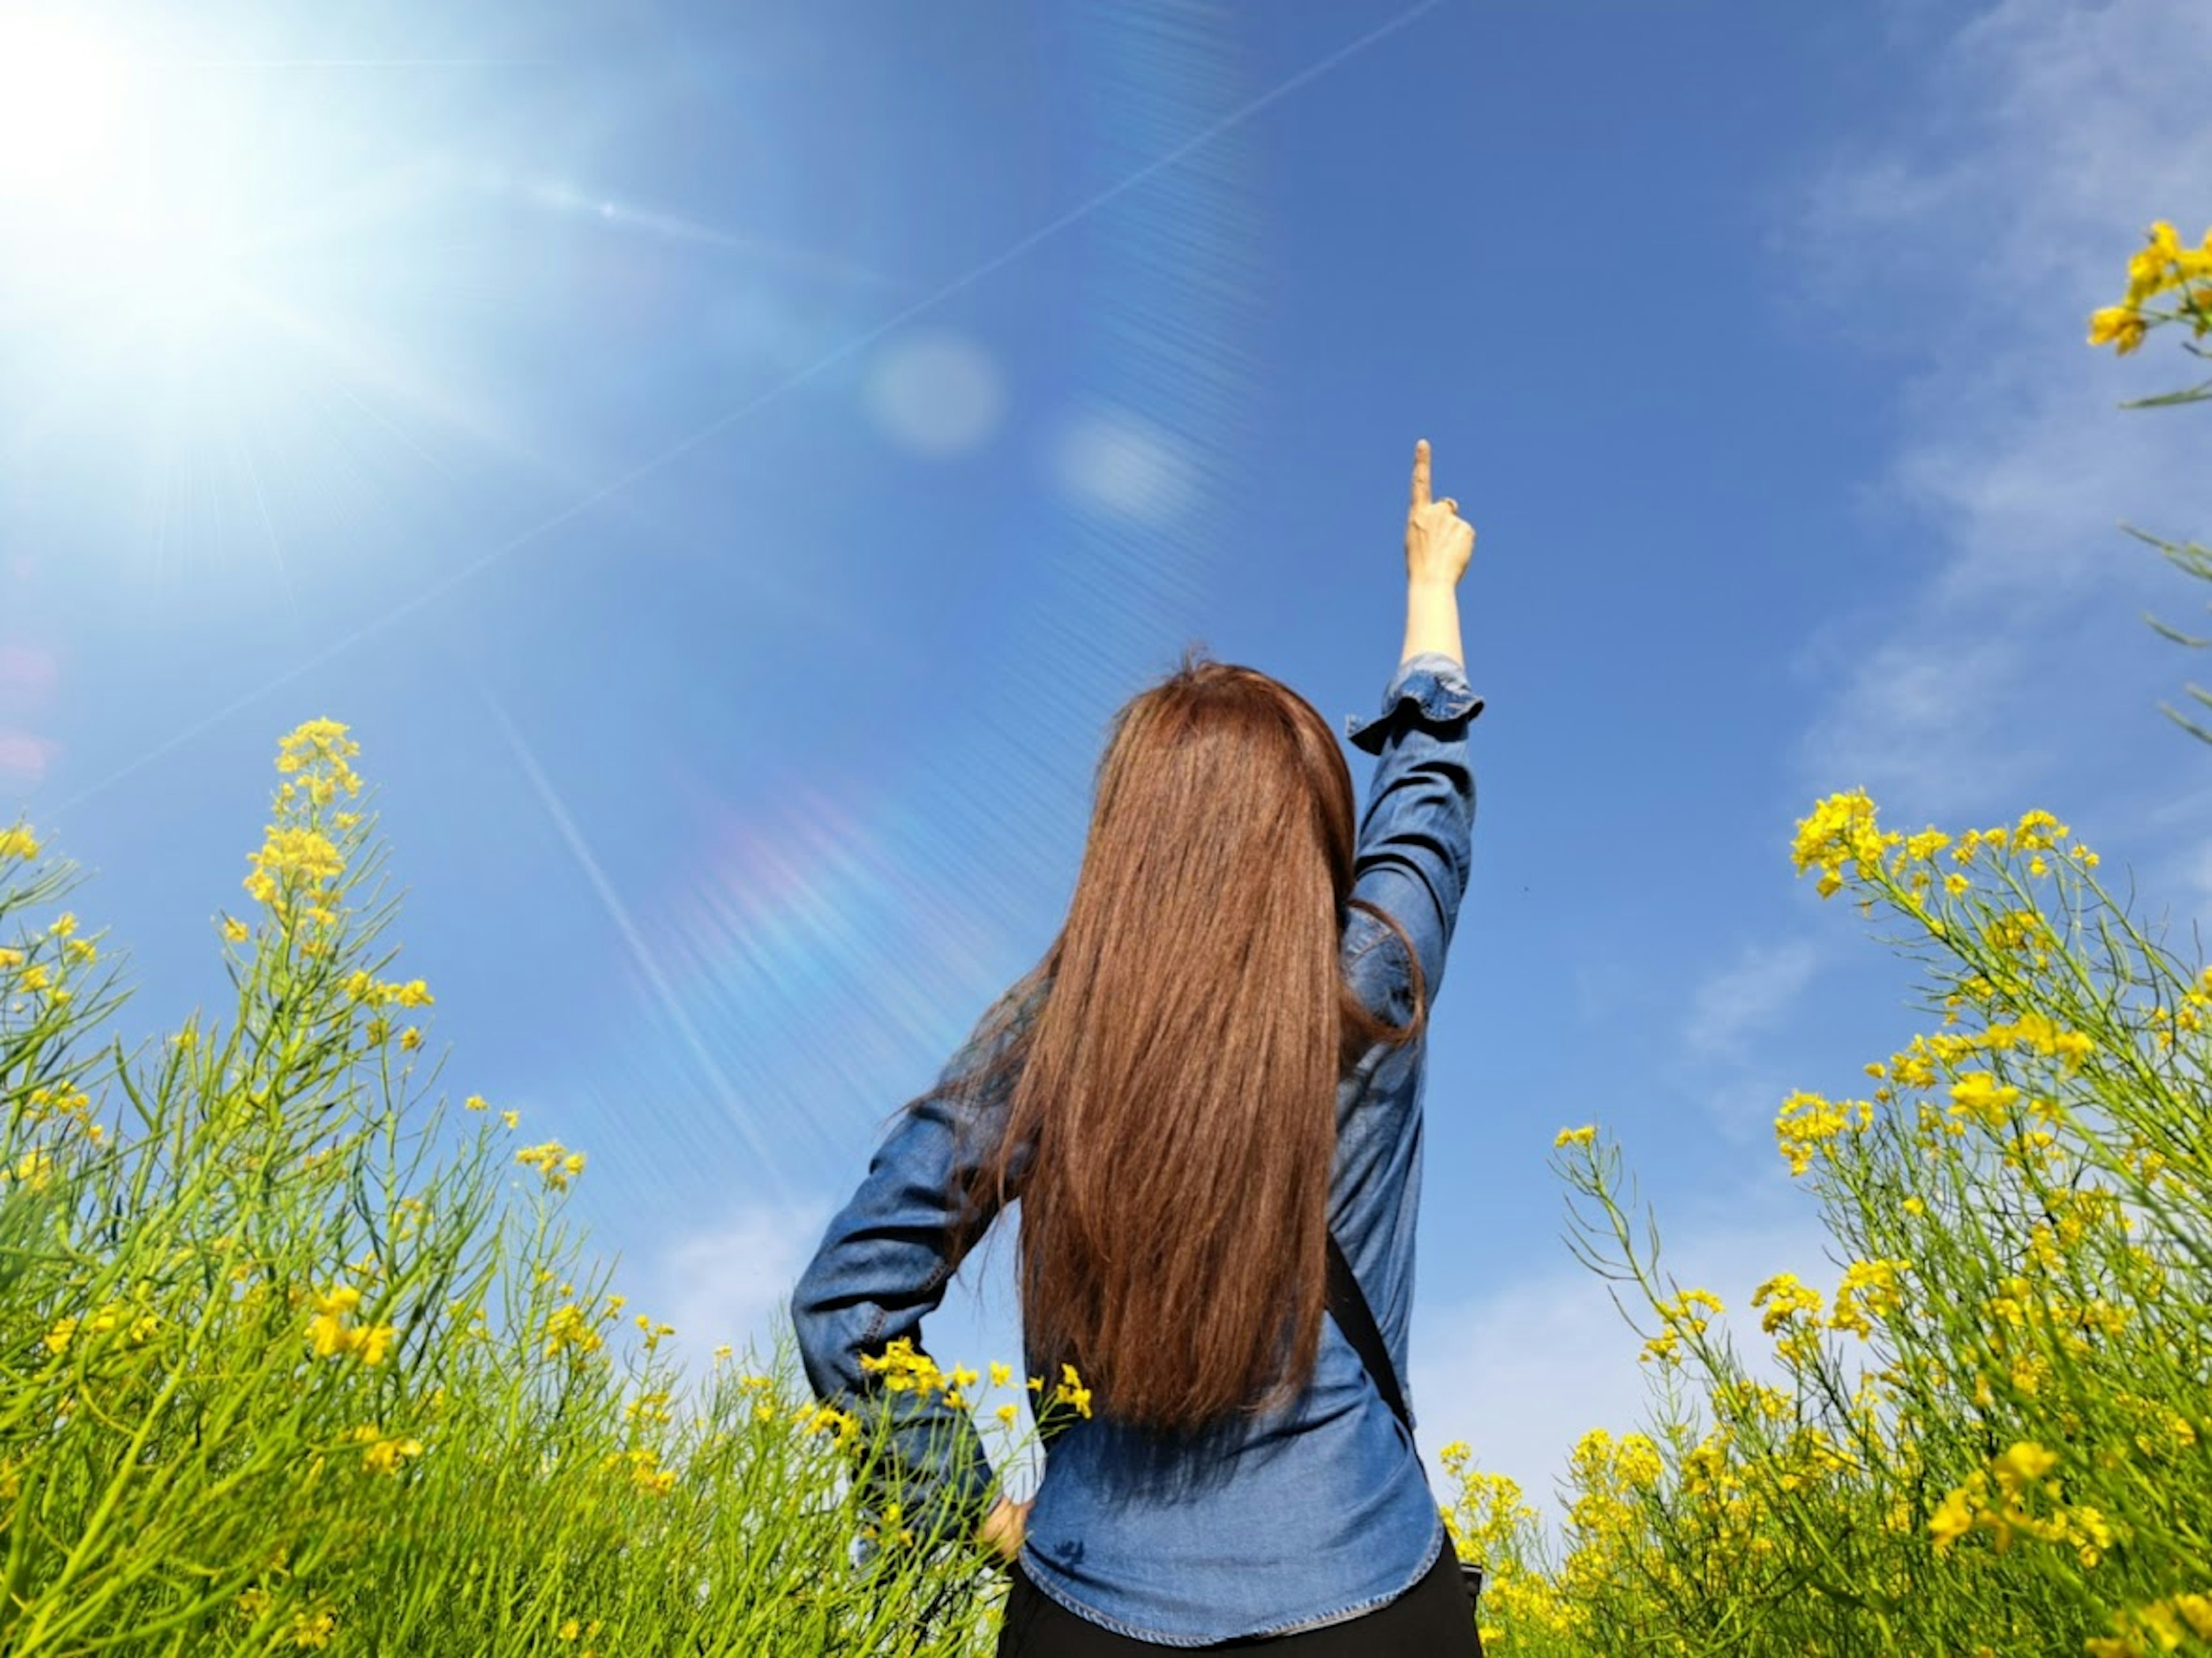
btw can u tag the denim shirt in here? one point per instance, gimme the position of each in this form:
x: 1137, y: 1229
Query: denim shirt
x: 1311, y: 1514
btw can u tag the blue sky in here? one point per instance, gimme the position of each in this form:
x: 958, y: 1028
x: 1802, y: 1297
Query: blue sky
x: 728, y: 465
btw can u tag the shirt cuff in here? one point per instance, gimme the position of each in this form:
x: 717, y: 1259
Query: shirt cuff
x: 1433, y: 684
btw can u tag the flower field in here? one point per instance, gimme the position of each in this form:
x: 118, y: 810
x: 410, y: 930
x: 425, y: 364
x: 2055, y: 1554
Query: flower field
x: 295, y: 1354
x: 287, y: 1363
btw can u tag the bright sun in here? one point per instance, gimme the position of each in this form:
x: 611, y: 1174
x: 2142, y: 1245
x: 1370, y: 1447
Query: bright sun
x: 61, y: 110
x: 119, y: 194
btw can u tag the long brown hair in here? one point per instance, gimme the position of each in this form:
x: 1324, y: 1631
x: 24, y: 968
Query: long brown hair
x: 1172, y: 1128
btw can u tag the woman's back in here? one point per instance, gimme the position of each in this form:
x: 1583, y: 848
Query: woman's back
x: 1319, y: 1510
x: 1306, y: 1514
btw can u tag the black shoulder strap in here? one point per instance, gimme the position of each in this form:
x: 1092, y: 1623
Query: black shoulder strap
x: 1357, y: 1320
x: 1354, y: 1318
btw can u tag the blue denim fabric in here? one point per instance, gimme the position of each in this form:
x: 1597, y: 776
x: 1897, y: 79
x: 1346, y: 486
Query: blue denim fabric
x: 1310, y: 1515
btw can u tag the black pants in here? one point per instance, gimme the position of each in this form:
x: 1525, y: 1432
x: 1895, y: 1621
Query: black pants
x: 1432, y: 1619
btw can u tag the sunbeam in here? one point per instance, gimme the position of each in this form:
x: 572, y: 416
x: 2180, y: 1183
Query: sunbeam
x: 641, y: 954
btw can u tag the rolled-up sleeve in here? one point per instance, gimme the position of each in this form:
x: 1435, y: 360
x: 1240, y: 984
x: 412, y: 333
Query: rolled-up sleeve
x: 883, y: 1263
x: 1416, y: 834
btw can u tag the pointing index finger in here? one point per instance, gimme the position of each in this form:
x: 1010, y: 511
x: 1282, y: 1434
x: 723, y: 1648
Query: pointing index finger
x: 1421, y: 473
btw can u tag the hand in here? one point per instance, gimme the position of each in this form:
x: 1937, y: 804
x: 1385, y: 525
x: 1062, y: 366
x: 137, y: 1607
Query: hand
x: 1003, y: 1528
x: 1438, y: 542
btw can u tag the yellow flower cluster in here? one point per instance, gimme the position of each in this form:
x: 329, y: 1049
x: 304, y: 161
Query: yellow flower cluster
x: 1783, y: 1297
x: 297, y: 869
x: 2160, y: 1627
x: 114, y: 1315
x: 295, y: 857
x: 905, y: 1371
x: 40, y: 978
x: 643, y: 1468
x: 1807, y: 1122
x: 827, y: 1418
x: 554, y: 1161
x: 333, y: 1334
x: 1071, y: 1391
x: 1491, y: 1523
x: 17, y: 841
x: 364, y: 987
x: 1868, y: 1292
x: 74, y: 949
x: 1841, y: 829
x: 383, y: 1453
x: 319, y: 748
x: 2163, y: 266
x: 569, y: 1326
x: 63, y: 1100
x: 1997, y: 1500
x: 1678, y: 1317
x: 1583, y: 1136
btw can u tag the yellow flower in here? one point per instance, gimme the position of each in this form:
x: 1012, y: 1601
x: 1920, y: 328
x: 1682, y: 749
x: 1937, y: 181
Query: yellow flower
x: 1001, y: 1374
x: 1006, y: 1413
x: 384, y: 1453
x: 1868, y: 1292
x: 1953, y: 1519
x: 1980, y: 1095
x: 1785, y: 1297
x: 554, y: 1162
x: 2120, y: 326
x: 1841, y: 829
x: 2023, y: 1463
x: 373, y: 1342
x: 17, y: 843
x: 476, y: 1102
x: 568, y: 1327
x: 1582, y: 1136
x: 1072, y: 1391
x: 1805, y: 1124
x: 510, y: 1118
x: 327, y: 1329
x: 236, y: 932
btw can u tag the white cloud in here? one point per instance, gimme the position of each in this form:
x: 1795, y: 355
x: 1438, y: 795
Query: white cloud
x: 1115, y: 460
x: 1983, y: 234
x: 730, y: 1283
x: 1734, y: 1003
x: 935, y: 392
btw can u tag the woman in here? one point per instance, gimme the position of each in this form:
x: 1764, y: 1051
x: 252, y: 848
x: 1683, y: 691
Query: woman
x: 1217, y: 1065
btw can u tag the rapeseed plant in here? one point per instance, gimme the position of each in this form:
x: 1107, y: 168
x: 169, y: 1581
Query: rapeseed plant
x: 295, y: 1367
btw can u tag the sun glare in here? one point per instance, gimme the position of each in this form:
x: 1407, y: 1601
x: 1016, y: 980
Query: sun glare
x: 118, y: 188
x: 61, y: 104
